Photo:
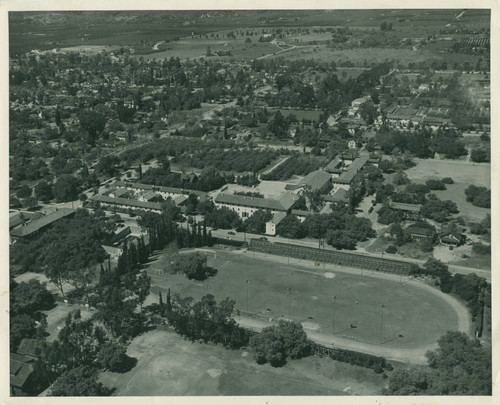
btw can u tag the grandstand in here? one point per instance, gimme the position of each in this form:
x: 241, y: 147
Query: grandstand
x: 355, y: 260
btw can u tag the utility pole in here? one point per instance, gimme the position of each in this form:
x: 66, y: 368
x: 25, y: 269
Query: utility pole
x: 289, y: 298
x: 333, y: 323
x: 246, y: 282
x: 381, y: 318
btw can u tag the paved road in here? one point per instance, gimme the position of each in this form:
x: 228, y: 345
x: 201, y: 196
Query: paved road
x: 241, y: 236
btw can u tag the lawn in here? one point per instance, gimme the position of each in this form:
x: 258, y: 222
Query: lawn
x: 455, y: 193
x: 169, y: 365
x: 300, y: 114
x: 459, y: 171
x: 309, y: 299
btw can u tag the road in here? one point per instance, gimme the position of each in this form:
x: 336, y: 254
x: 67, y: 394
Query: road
x: 245, y: 237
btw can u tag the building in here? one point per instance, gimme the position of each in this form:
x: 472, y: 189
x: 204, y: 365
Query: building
x: 317, y: 181
x: 451, y: 235
x: 419, y: 232
x: 334, y: 167
x: 341, y: 195
x: 37, y: 226
x: 345, y: 179
x: 271, y: 226
x: 245, y: 206
x: 128, y: 235
x: 21, y: 217
x: 411, y: 211
x: 23, y: 379
x: 126, y: 203
x: 165, y: 192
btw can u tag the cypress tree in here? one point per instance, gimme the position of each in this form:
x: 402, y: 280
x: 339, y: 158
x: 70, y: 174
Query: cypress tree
x: 161, y: 304
x: 169, y: 303
x: 205, y: 236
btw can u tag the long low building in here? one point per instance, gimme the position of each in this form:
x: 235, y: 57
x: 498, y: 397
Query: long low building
x: 162, y: 190
x: 33, y: 228
x: 345, y: 179
x: 127, y: 203
x: 245, y: 206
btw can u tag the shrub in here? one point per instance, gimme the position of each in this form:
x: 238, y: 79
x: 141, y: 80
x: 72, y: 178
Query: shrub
x: 391, y: 249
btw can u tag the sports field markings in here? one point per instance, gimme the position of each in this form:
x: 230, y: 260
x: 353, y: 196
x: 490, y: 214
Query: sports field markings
x: 303, y: 271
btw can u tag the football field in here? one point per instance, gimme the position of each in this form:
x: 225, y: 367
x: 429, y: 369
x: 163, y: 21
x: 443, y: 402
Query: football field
x: 355, y: 305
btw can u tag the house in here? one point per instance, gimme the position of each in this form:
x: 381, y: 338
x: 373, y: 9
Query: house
x: 351, y: 144
x: 245, y: 206
x: 419, y: 232
x: 451, y: 235
x: 411, y: 211
x: 35, y: 227
x: 271, y: 226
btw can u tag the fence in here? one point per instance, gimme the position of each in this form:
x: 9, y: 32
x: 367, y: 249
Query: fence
x: 331, y: 256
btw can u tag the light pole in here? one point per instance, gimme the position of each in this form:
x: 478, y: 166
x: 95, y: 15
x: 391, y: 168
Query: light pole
x: 333, y: 323
x: 381, y: 318
x: 289, y: 298
x: 246, y: 282
x: 206, y: 274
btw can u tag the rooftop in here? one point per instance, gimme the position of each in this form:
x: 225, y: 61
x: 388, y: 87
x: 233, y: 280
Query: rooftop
x: 316, y: 180
x: 285, y: 202
x: 405, y: 207
x: 46, y: 220
x: 333, y: 165
x: 127, y: 202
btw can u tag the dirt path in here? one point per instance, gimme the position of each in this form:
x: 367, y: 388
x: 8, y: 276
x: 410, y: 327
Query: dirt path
x: 282, y: 160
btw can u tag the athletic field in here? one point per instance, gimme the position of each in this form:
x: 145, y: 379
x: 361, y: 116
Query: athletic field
x: 168, y: 365
x: 394, y: 312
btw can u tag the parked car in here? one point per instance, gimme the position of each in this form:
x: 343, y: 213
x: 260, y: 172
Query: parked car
x: 231, y: 233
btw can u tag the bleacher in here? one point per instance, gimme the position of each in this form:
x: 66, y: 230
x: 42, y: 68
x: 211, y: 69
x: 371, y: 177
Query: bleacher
x: 355, y: 260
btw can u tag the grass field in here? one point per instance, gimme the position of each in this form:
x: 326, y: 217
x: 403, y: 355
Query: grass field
x: 300, y: 114
x: 459, y: 171
x: 169, y: 365
x: 310, y: 299
x: 463, y: 173
x: 455, y: 193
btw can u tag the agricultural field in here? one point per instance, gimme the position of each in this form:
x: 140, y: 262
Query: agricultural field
x: 169, y: 365
x: 309, y: 299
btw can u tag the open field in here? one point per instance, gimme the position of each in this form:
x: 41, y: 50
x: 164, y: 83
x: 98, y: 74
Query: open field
x: 359, y: 56
x: 455, y: 193
x: 310, y: 299
x: 169, y: 365
x: 300, y: 114
x: 459, y: 171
